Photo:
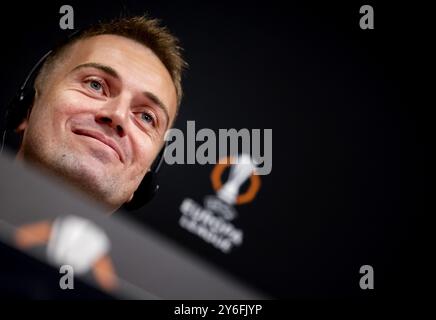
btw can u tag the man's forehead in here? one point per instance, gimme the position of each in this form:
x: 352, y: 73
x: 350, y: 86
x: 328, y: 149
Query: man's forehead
x: 116, y: 44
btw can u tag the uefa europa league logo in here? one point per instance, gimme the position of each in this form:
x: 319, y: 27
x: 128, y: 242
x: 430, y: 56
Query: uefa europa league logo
x: 228, y: 195
x: 213, y: 221
x: 239, y: 173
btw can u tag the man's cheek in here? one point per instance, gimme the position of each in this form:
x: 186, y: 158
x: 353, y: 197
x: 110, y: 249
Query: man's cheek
x: 71, y: 102
x: 138, y: 175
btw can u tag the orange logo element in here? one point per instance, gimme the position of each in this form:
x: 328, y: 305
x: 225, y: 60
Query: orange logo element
x: 217, y: 184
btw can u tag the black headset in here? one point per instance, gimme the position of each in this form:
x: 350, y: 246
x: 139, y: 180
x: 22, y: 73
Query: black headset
x: 17, y: 111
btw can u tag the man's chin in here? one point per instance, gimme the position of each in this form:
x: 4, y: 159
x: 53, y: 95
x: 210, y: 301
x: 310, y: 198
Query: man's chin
x: 101, y: 188
x: 87, y: 175
x: 91, y: 180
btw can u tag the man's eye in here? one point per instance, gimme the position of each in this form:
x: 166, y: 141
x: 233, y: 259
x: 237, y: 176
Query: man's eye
x: 147, y: 117
x: 95, y: 85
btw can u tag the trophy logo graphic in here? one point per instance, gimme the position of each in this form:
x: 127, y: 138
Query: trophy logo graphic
x: 228, y: 194
x: 239, y: 173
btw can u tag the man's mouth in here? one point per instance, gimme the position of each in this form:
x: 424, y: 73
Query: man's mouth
x: 102, y: 138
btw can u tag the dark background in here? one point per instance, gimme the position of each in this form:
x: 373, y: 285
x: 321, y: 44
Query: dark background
x: 342, y: 192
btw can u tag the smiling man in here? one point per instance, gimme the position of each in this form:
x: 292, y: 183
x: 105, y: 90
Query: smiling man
x: 102, y: 105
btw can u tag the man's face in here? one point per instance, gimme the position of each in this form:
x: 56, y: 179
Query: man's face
x: 100, y: 118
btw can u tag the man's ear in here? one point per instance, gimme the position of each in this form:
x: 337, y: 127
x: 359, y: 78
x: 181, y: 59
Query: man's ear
x: 133, y: 194
x: 131, y: 197
x: 20, y: 130
x: 25, y: 122
x: 22, y: 126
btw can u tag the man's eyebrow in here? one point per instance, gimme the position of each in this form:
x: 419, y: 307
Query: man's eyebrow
x: 158, y: 103
x: 106, y: 69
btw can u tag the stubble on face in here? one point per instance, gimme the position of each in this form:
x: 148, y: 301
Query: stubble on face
x: 87, y: 168
x: 60, y: 161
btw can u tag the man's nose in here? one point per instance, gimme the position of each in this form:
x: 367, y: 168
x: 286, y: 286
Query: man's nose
x: 114, y: 116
